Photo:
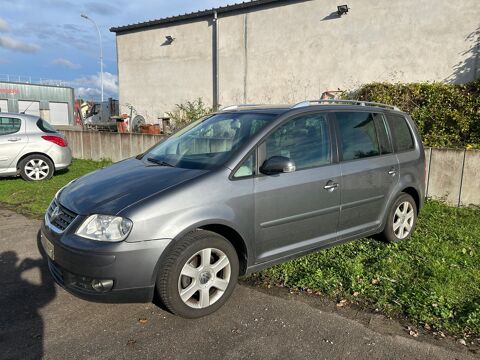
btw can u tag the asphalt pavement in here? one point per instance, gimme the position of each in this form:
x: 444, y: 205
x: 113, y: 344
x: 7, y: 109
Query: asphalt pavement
x: 38, y: 319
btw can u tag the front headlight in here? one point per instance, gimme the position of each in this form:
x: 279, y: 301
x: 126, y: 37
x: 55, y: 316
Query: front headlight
x: 105, y: 228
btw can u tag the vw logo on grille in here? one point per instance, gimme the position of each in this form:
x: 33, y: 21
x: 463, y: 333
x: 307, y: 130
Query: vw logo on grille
x: 55, y: 214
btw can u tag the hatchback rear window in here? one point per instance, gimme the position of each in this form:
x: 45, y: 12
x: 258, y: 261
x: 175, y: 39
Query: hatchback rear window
x: 401, y: 134
x: 45, y: 126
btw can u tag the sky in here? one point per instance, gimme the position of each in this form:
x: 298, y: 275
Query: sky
x: 47, y: 39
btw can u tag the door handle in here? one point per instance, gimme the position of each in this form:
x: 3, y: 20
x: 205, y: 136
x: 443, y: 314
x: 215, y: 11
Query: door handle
x: 14, y: 139
x: 392, y: 172
x: 331, y: 186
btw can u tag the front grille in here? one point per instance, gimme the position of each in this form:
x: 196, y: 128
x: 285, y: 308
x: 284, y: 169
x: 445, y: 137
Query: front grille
x: 58, y: 217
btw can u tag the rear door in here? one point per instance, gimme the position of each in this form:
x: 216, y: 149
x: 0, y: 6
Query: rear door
x: 369, y: 168
x: 12, y: 140
x: 294, y: 211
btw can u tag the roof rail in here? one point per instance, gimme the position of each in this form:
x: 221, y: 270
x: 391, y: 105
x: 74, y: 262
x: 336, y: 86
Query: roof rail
x: 233, y: 107
x: 347, y: 102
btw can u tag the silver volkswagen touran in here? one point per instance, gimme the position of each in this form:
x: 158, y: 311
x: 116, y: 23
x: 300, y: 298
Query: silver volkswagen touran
x: 240, y: 190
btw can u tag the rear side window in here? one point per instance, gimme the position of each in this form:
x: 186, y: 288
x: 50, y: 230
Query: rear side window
x: 401, y: 134
x: 45, y: 126
x: 358, y: 135
x: 383, y: 139
x: 9, y: 125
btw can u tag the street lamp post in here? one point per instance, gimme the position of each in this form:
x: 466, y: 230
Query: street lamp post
x: 101, y: 51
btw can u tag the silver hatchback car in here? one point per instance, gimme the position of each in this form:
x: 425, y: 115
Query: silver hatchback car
x: 238, y: 191
x: 31, y: 147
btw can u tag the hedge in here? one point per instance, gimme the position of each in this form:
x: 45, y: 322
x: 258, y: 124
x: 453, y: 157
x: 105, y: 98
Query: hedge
x: 447, y: 115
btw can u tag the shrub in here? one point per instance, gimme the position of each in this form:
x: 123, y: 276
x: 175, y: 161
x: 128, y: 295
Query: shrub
x: 188, y: 112
x: 447, y: 115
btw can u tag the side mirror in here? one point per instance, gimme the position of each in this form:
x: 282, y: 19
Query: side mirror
x: 277, y: 164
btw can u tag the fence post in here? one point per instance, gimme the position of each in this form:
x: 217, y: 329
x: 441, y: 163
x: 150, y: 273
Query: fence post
x: 461, y: 178
x: 81, y: 145
x: 429, y: 169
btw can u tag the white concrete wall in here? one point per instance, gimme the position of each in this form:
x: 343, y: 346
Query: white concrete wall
x: 288, y: 53
x: 154, y: 77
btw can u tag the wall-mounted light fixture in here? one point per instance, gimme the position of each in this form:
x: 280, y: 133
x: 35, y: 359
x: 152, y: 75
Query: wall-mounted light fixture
x: 168, y: 40
x: 342, y: 10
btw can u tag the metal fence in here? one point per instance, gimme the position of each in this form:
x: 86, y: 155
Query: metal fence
x: 31, y: 80
x: 452, y: 175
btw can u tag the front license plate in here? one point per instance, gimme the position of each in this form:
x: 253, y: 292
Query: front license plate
x: 48, y: 247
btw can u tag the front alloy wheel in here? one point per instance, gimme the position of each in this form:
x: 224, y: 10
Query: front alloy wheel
x: 204, y: 278
x: 198, y: 274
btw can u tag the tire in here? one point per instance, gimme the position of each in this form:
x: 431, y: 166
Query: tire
x: 36, y: 167
x: 183, y: 270
x: 401, y: 220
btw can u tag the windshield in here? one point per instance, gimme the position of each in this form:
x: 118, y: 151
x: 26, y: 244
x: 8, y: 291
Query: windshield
x: 209, y: 142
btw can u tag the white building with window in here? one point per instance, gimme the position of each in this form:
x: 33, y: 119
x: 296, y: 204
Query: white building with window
x: 276, y: 51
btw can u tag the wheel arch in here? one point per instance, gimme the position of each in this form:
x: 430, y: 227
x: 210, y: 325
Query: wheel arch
x: 414, y: 194
x: 234, y: 238
x: 34, y: 153
x: 228, y: 231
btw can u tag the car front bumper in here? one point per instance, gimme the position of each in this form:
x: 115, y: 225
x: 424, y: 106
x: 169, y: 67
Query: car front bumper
x: 77, y: 264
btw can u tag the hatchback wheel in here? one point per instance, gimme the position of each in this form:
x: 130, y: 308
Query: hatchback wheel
x: 198, y: 275
x: 36, y: 167
x: 402, y: 219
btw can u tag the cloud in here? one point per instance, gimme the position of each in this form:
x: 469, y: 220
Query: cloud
x: 88, y: 87
x: 102, y: 9
x: 66, y: 35
x: 4, y: 25
x: 8, y: 42
x: 66, y: 63
x: 59, y: 3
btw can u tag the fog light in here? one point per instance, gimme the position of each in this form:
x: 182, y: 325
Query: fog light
x: 102, y: 285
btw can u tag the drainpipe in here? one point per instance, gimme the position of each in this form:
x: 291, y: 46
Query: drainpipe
x: 215, y: 60
x: 245, y: 57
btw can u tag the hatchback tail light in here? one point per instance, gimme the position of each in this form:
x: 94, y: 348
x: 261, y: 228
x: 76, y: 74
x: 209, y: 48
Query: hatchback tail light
x: 56, y: 140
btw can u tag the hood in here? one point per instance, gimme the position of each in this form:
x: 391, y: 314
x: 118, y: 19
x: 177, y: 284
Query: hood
x: 109, y: 190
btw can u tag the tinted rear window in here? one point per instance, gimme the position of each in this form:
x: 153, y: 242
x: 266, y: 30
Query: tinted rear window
x: 401, y: 134
x: 45, y: 126
x: 358, y: 134
x: 383, y: 139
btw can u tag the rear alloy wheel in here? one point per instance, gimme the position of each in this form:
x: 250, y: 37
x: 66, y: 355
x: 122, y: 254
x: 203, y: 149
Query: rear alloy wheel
x: 36, y: 168
x: 401, y: 220
x: 198, y: 275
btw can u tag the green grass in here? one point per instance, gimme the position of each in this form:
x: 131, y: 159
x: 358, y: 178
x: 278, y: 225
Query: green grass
x: 32, y: 198
x: 432, y: 278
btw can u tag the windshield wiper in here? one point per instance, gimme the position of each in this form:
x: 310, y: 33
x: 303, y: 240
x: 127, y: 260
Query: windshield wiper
x: 160, y: 162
